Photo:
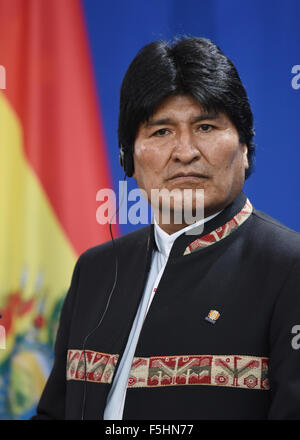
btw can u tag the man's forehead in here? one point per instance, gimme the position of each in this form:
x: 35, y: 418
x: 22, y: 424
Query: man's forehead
x: 164, y: 117
x: 181, y: 105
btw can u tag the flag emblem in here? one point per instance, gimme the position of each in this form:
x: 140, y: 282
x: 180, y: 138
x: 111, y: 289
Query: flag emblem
x: 212, y: 316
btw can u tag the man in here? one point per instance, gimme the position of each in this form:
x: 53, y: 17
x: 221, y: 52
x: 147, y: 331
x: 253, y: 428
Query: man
x: 165, y: 324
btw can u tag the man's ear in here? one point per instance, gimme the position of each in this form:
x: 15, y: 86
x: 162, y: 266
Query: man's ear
x: 245, y: 156
x: 132, y: 159
x: 133, y: 174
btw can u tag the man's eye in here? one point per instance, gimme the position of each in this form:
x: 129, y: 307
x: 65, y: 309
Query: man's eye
x: 160, y: 132
x: 205, y: 127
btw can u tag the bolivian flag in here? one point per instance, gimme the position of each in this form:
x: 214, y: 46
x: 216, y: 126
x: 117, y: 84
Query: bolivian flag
x: 52, y: 163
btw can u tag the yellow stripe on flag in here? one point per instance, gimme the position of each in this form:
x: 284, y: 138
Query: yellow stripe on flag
x: 36, y: 258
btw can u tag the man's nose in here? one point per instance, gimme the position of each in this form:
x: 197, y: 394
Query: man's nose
x: 185, y: 147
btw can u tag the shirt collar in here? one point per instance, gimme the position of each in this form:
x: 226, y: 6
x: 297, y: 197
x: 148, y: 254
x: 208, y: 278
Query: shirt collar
x: 164, y: 241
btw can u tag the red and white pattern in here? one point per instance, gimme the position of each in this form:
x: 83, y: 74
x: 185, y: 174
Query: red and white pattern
x: 230, y: 371
x: 237, y: 371
x: 100, y: 367
x: 221, y: 232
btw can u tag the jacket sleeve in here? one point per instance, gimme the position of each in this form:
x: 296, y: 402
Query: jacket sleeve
x: 284, y: 362
x: 52, y: 402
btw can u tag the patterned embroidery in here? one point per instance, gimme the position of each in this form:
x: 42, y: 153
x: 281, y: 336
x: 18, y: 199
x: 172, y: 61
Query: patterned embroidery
x: 100, y: 367
x: 221, y: 232
x: 230, y: 371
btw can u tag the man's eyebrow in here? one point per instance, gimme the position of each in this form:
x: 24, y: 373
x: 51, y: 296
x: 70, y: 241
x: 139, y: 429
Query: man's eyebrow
x: 153, y: 122
x: 205, y: 116
x: 169, y: 121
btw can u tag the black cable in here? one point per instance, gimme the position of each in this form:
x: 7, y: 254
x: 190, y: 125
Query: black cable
x: 106, y: 307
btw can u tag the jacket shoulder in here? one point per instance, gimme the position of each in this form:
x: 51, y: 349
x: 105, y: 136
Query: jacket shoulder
x: 271, y: 221
x: 124, y: 242
x: 272, y: 233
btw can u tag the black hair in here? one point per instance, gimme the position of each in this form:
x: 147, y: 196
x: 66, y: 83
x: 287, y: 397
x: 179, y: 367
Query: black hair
x: 190, y: 66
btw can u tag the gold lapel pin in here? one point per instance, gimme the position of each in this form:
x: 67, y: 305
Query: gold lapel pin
x: 213, y: 316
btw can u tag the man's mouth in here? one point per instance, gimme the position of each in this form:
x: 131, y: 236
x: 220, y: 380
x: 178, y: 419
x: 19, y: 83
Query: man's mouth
x: 187, y: 176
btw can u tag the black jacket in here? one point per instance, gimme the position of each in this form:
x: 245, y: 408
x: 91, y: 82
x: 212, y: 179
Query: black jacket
x: 243, y: 366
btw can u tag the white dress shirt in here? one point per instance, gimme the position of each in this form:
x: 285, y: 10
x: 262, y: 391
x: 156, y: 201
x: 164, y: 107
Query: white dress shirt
x: 164, y: 241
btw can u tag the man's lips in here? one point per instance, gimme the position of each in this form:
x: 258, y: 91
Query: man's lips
x: 183, y: 176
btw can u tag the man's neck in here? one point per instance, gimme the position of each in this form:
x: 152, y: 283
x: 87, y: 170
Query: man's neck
x: 172, y: 227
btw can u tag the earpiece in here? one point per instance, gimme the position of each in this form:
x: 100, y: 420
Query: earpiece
x: 126, y: 161
x: 106, y: 307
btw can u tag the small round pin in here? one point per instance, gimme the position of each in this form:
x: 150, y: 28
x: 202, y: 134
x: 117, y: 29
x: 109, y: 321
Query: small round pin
x: 212, y: 316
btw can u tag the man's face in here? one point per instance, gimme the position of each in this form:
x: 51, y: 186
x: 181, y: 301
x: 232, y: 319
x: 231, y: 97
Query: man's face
x: 182, y: 147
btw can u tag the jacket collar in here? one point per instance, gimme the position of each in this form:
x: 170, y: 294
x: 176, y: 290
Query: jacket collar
x: 165, y: 241
x: 213, y: 230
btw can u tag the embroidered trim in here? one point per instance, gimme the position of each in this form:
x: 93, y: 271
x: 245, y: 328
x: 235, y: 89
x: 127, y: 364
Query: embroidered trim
x: 220, y: 370
x: 223, y: 231
x: 237, y: 371
x: 100, y: 367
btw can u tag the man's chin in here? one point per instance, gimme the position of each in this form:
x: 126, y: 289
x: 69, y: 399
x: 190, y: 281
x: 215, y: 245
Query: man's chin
x: 186, y: 216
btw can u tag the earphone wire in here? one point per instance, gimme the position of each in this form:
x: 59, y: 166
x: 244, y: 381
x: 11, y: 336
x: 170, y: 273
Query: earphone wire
x: 107, y: 303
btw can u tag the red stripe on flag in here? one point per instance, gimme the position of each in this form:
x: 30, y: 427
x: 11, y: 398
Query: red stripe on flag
x: 50, y: 84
